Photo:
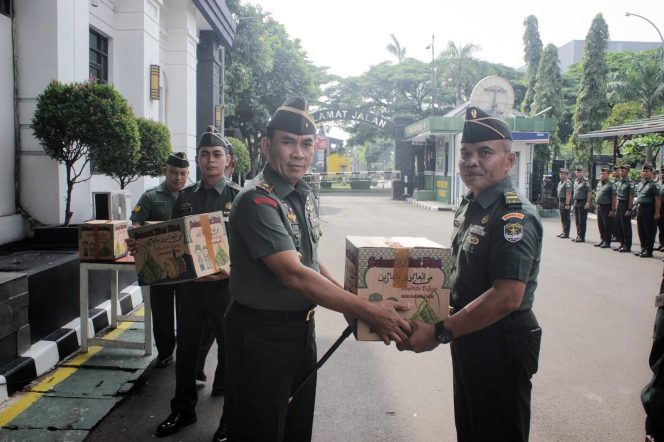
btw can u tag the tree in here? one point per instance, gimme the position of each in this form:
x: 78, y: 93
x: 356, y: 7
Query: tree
x: 263, y: 68
x: 395, y: 49
x: 591, y: 104
x: 76, y: 121
x: 532, y: 51
x: 459, y: 66
x: 149, y: 159
x: 548, y: 91
x: 242, y: 153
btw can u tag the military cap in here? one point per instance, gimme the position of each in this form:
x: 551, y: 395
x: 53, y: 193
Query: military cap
x: 579, y: 168
x: 647, y: 166
x: 480, y: 126
x: 212, y: 137
x: 563, y: 170
x: 624, y: 167
x: 616, y: 167
x: 178, y: 159
x: 604, y: 169
x: 293, y: 116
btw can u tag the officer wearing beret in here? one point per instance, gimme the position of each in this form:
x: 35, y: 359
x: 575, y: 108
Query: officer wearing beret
x: 276, y: 282
x: 583, y: 194
x: 493, y: 333
x: 647, y: 216
x: 624, y: 197
x: 564, y: 201
x: 605, y: 208
x: 206, y: 297
x: 156, y: 204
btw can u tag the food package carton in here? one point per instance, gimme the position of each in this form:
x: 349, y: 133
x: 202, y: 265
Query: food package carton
x: 102, y: 240
x: 412, y: 270
x: 181, y: 249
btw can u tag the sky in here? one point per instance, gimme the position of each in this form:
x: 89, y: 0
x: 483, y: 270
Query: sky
x: 349, y: 36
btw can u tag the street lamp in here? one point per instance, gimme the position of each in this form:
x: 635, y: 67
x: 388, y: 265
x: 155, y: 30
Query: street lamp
x: 433, y: 72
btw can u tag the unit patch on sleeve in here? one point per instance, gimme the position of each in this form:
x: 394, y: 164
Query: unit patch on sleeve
x: 513, y: 232
x: 513, y: 215
x: 137, y: 208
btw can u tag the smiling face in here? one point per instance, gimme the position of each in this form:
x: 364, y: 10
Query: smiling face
x: 289, y: 155
x: 485, y: 163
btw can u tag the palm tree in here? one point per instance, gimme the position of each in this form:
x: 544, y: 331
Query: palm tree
x: 395, y: 48
x: 642, y: 82
x: 459, y: 66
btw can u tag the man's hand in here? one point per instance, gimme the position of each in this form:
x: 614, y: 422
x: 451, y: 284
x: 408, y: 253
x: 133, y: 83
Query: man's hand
x: 657, y: 216
x: 423, y: 338
x: 132, y: 246
x: 384, y: 320
x: 611, y: 213
x: 223, y: 273
x: 586, y: 206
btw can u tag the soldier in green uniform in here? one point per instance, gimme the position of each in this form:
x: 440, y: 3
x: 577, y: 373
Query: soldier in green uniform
x: 206, y: 297
x: 583, y: 194
x: 652, y: 395
x: 276, y: 282
x: 615, y: 225
x: 494, y: 335
x: 647, y: 216
x: 156, y: 204
x: 660, y: 222
x: 605, y: 209
x: 564, y: 201
x: 624, y: 197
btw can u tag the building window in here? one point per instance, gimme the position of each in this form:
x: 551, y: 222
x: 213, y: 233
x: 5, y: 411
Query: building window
x: 98, y: 57
x: 6, y: 7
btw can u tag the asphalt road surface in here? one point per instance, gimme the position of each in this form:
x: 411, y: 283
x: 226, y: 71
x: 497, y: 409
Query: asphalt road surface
x: 595, y: 306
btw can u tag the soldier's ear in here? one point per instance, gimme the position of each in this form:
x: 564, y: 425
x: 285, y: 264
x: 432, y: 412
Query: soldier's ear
x: 265, y: 146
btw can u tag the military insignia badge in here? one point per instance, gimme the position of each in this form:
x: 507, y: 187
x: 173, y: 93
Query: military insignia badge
x: 291, y: 215
x: 485, y: 219
x: 513, y: 215
x: 477, y: 230
x: 137, y: 208
x: 473, y: 240
x: 513, y: 232
x: 229, y: 205
x: 473, y: 113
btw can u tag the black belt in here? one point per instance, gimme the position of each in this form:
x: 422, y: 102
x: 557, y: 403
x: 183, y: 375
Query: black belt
x: 278, y: 315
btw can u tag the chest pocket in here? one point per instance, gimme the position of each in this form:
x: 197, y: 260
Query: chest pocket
x: 474, y: 244
x: 158, y: 209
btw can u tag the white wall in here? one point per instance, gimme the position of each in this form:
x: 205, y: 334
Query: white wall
x: 6, y: 119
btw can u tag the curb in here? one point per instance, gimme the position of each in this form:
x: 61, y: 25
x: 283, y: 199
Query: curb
x: 46, y: 354
x: 429, y: 205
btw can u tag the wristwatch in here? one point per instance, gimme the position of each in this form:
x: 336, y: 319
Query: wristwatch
x: 443, y: 334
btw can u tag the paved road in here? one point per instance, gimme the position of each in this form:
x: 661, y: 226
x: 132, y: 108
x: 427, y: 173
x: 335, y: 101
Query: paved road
x: 595, y: 307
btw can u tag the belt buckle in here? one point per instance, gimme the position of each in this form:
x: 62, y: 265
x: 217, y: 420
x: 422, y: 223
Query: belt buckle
x: 310, y: 314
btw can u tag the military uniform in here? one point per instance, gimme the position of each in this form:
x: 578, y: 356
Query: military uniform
x: 624, y: 194
x: 496, y: 236
x: 156, y: 204
x: 652, y: 395
x: 564, y: 187
x: 603, y: 200
x: 647, y: 192
x: 199, y: 300
x: 581, y: 190
x: 271, y: 343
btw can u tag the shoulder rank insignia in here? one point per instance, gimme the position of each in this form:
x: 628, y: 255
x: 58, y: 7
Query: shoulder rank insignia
x: 265, y: 186
x: 512, y: 199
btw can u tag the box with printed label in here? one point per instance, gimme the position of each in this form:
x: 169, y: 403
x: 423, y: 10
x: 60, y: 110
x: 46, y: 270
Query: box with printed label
x: 181, y: 249
x: 102, y: 240
x: 412, y: 270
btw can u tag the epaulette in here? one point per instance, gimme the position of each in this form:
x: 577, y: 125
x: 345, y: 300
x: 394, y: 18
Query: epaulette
x: 512, y: 199
x: 264, y: 186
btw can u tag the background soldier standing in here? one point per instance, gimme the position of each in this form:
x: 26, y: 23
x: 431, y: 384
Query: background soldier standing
x: 625, y: 197
x: 494, y: 335
x: 156, y: 204
x: 660, y: 222
x: 605, y: 209
x: 649, y: 202
x: 564, y: 201
x: 583, y: 194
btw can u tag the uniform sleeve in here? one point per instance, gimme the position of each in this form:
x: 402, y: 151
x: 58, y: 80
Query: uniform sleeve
x: 256, y: 219
x: 515, y: 245
x: 141, y: 210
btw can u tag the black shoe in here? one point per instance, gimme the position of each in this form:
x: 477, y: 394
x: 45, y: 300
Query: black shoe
x: 580, y: 240
x: 564, y: 236
x: 624, y: 250
x: 200, y: 376
x: 599, y: 244
x: 606, y: 245
x: 660, y: 249
x: 617, y: 249
x: 164, y: 362
x: 641, y: 252
x: 220, y: 435
x: 645, y: 254
x: 174, y: 423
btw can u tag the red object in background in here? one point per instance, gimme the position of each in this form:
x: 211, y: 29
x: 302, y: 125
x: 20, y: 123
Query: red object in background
x: 322, y: 142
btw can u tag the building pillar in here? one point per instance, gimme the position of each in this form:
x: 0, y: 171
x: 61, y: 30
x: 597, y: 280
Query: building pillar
x: 208, y: 80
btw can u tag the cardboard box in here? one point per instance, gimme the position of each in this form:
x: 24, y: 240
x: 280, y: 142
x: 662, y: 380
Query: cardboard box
x: 181, y: 249
x: 413, y: 270
x: 102, y: 240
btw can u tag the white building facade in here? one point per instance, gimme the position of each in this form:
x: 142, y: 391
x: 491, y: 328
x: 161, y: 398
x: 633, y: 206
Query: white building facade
x: 116, y: 41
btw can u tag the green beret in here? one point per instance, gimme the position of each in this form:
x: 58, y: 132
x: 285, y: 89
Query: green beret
x: 178, y: 159
x: 293, y: 116
x: 480, y: 126
x: 212, y: 137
